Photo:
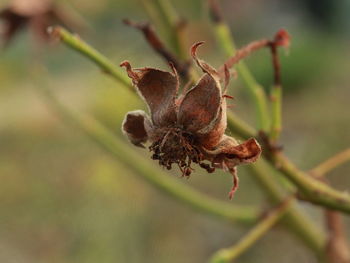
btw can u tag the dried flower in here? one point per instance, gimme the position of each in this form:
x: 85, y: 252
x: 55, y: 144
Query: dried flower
x: 37, y: 15
x: 187, y: 128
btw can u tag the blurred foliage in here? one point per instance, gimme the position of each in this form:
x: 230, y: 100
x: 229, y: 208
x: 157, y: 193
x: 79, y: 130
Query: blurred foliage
x: 63, y: 200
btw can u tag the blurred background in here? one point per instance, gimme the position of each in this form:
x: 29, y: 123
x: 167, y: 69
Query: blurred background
x: 62, y: 199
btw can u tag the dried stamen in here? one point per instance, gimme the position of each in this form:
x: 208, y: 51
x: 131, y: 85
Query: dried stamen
x: 177, y: 146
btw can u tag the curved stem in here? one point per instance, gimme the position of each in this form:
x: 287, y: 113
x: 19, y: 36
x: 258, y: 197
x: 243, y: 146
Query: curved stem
x: 311, y: 189
x: 77, y: 44
x: 331, y: 163
x: 229, y: 254
x: 300, y: 225
x: 174, y: 26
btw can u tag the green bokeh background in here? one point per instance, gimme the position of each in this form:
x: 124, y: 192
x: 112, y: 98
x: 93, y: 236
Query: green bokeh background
x: 62, y: 199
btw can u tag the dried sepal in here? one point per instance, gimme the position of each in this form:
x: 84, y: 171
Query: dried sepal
x: 159, y: 90
x: 200, y: 106
x: 134, y: 127
x: 246, y: 152
x: 202, y: 64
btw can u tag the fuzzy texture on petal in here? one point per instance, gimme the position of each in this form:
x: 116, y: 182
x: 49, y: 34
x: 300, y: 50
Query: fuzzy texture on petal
x: 203, y: 110
x: 230, y: 153
x: 159, y: 90
x: 200, y: 106
x: 213, y: 136
x: 134, y: 127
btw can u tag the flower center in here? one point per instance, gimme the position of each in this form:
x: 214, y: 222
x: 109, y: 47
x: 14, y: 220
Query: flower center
x: 179, y: 147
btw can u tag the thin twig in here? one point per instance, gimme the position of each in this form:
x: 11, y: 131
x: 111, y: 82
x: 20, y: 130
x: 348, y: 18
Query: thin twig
x: 77, y: 44
x: 244, y: 52
x: 174, y: 26
x: 337, y: 249
x: 256, y: 91
x: 281, y: 39
x: 330, y: 164
x: 298, y: 223
x: 229, y: 254
x: 156, y: 43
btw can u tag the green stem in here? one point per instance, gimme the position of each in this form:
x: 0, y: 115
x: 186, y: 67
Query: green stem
x: 154, y: 175
x: 238, y: 126
x: 311, y: 189
x: 229, y: 254
x: 276, y: 113
x: 77, y: 44
x: 167, y: 18
x: 331, y: 163
x: 300, y: 225
x: 256, y: 92
x: 173, y: 24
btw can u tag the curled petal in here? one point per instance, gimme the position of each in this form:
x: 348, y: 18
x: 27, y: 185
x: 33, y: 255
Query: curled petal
x: 203, y: 65
x: 135, y: 127
x: 159, y: 89
x: 233, y: 153
x: 200, y: 107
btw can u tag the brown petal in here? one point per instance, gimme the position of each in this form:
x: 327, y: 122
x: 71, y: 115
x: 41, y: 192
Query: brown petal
x: 201, y: 105
x: 234, y: 153
x: 211, y: 138
x: 135, y: 127
x: 203, y: 65
x: 201, y: 108
x: 248, y: 152
x: 159, y: 89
